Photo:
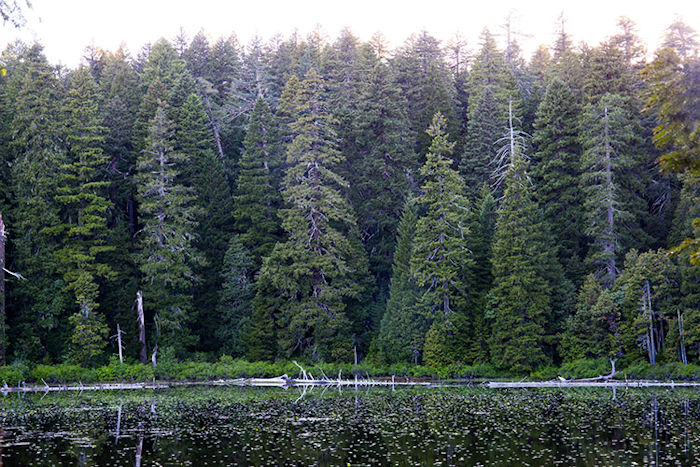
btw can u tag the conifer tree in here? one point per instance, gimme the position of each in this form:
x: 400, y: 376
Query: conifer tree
x: 235, y: 298
x: 204, y: 174
x: 441, y: 258
x: 403, y: 327
x: 483, y: 131
x: 593, y: 331
x: 257, y: 197
x: 41, y: 304
x: 82, y: 192
x: 315, y: 273
x: 605, y: 158
x: 520, y: 300
x: 425, y: 80
x: 166, y: 253
x: 556, y: 170
x: 382, y: 174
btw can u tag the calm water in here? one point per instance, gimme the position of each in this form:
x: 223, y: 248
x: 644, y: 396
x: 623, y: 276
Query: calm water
x: 408, y: 426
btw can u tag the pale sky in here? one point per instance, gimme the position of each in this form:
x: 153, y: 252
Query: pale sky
x: 66, y: 27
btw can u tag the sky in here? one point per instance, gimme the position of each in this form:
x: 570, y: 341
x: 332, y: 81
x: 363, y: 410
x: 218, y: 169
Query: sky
x: 66, y: 27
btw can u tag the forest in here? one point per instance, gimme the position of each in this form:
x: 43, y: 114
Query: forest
x: 334, y: 200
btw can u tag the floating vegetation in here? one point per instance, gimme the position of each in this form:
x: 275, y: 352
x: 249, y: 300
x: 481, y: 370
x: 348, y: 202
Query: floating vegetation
x: 370, y: 426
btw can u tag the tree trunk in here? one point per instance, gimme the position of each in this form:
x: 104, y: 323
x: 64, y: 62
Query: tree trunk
x: 647, y: 305
x: 684, y: 357
x: 3, y: 237
x: 143, y: 354
x: 609, y: 243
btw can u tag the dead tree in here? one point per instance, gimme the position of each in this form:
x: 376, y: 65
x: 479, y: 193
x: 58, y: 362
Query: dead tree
x: 143, y: 354
x: 3, y: 237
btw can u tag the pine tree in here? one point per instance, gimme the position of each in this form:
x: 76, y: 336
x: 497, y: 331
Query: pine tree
x: 425, y: 80
x: 520, y: 301
x: 257, y: 197
x: 441, y: 258
x: 403, y: 327
x: 204, y: 174
x: 483, y: 131
x: 313, y: 271
x: 235, y: 298
x: 166, y: 253
x: 606, y: 157
x: 82, y: 192
x: 482, y: 226
x: 381, y: 176
x: 593, y: 331
x: 556, y: 170
x: 39, y: 306
x: 648, y: 284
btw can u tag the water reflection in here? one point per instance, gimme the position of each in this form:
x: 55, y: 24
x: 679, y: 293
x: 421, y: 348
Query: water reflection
x: 381, y: 426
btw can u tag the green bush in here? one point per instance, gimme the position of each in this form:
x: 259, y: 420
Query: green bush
x: 13, y: 374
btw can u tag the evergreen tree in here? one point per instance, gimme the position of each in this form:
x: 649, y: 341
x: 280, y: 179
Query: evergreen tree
x: 166, y: 253
x: 483, y: 226
x: 403, y: 327
x: 649, y: 287
x: 441, y: 258
x: 257, y: 197
x: 38, y: 308
x: 425, y: 80
x: 204, y: 174
x: 235, y: 298
x: 593, y: 331
x: 483, y: 130
x: 521, y: 298
x: 82, y: 192
x: 555, y: 170
x: 382, y: 174
x: 606, y: 142
x: 316, y: 272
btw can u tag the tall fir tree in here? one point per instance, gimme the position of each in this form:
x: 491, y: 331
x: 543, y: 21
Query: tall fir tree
x: 521, y: 297
x: 556, y: 170
x: 402, y: 331
x: 441, y: 259
x: 82, y: 191
x: 166, y: 253
x: 383, y: 173
x: 606, y: 144
x: 257, y: 198
x: 204, y: 174
x: 319, y: 270
x: 234, y: 309
x: 38, y: 307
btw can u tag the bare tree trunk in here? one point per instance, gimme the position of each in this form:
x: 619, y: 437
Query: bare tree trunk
x: 212, y: 123
x: 143, y: 354
x: 119, y: 345
x: 647, y: 305
x: 684, y: 357
x: 3, y: 237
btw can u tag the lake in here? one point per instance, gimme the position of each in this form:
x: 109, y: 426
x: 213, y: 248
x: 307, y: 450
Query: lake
x: 370, y: 426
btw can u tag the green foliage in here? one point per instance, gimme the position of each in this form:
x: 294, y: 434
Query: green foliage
x: 593, y: 331
x: 556, y: 170
x: 403, y: 327
x: 441, y: 260
x: 521, y: 297
x: 257, y: 197
x: 235, y: 297
x: 612, y: 206
x: 40, y: 305
x: 315, y: 273
x: 166, y: 253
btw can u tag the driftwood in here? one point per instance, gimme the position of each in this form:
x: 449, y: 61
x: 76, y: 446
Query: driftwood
x: 599, y: 378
